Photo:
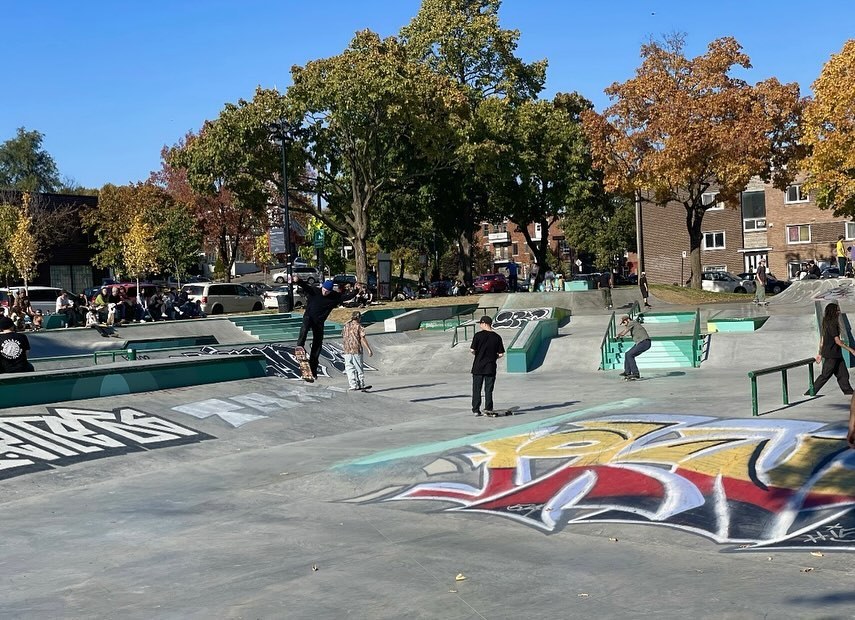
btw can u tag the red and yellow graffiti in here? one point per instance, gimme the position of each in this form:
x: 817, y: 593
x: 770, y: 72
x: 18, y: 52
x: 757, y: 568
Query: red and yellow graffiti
x: 733, y: 480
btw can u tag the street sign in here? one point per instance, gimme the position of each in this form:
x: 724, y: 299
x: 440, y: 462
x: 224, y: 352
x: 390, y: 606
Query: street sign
x: 318, y: 240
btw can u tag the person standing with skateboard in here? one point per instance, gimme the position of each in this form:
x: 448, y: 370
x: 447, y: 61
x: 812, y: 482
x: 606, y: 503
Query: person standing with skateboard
x: 353, y: 340
x: 605, y: 284
x: 760, y: 280
x: 644, y: 288
x: 642, y: 343
x: 487, y: 347
x: 319, y: 303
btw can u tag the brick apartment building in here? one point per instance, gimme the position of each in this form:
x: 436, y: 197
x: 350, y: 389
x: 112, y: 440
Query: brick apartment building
x: 503, y: 241
x: 784, y: 227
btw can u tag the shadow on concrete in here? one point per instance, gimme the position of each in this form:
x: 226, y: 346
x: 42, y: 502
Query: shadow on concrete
x: 566, y: 403
x: 406, y: 387
x: 832, y: 598
x: 446, y: 397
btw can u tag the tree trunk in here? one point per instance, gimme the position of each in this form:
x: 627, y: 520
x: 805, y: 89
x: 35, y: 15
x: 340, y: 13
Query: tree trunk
x: 360, y: 251
x: 464, y: 253
x: 694, y: 223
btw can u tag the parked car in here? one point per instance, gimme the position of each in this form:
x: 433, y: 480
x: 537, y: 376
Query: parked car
x: 41, y: 297
x: 726, y: 282
x: 223, y: 297
x: 441, y: 288
x: 629, y: 279
x: 830, y: 272
x: 257, y: 288
x: 342, y: 279
x: 490, y: 283
x: 307, y: 274
x: 773, y: 284
x: 271, y: 297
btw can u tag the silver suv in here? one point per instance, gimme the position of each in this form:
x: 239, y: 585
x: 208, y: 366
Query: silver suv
x: 307, y: 274
x: 726, y: 282
x: 223, y: 297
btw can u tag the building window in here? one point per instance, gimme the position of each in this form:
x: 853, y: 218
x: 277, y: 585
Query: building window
x: 850, y: 230
x: 714, y: 240
x: 537, y: 232
x: 754, y: 224
x: 715, y: 267
x: 795, y: 194
x: 515, y: 249
x: 711, y: 201
x: 798, y: 234
x: 793, y: 269
x: 753, y: 211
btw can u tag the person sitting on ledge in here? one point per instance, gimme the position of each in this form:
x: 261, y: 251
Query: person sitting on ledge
x: 13, y: 348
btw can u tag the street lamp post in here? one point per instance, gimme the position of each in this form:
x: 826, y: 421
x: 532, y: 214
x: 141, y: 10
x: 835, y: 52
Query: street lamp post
x: 286, y: 216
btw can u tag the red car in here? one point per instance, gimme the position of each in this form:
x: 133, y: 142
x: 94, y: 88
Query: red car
x: 490, y: 283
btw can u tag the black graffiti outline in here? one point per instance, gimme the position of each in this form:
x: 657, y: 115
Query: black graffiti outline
x: 511, y: 319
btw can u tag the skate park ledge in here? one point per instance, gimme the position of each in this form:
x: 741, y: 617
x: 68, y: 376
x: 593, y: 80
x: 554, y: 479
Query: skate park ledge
x: 52, y: 386
x: 524, y: 349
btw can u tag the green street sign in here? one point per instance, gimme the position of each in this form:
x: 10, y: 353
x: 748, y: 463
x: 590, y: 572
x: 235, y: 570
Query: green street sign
x: 318, y: 240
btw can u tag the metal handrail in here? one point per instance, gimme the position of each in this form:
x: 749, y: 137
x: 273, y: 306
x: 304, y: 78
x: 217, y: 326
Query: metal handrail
x: 611, y: 332
x: 128, y: 354
x: 634, y: 310
x: 465, y: 326
x: 696, y: 340
x: 783, y: 368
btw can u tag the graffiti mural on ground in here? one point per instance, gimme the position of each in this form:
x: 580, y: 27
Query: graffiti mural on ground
x: 64, y: 436
x: 281, y: 361
x: 512, y: 319
x: 781, y: 483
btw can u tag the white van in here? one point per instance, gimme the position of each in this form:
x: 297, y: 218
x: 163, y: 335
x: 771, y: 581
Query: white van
x: 223, y: 297
x: 41, y: 297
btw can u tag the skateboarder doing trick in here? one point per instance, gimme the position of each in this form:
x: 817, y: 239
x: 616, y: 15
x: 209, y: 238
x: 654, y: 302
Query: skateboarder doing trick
x: 642, y: 343
x: 319, y: 304
x: 487, y: 347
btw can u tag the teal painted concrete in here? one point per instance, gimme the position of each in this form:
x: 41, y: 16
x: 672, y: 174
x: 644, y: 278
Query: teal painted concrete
x: 523, y: 350
x: 668, y: 317
x: 736, y: 324
x: 37, y: 388
x: 509, y: 431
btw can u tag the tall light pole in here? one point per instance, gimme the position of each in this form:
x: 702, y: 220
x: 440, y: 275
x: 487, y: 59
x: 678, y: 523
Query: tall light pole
x: 284, y: 139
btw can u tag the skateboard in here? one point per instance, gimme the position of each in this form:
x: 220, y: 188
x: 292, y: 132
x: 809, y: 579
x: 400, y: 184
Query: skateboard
x: 760, y: 303
x: 633, y: 378
x: 500, y: 412
x: 303, y: 360
x: 365, y: 388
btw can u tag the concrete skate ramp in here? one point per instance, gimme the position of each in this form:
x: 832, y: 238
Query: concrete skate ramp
x: 782, y: 339
x: 578, y: 302
x: 805, y: 292
x: 81, y: 341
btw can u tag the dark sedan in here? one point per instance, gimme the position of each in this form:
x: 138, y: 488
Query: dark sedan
x: 773, y: 284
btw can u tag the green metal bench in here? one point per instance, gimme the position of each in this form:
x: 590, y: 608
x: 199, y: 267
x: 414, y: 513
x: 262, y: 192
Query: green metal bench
x: 783, y: 368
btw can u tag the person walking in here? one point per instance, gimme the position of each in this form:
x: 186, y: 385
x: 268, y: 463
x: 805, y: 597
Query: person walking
x: 642, y: 343
x: 513, y: 274
x: 841, y: 256
x: 760, y: 279
x: 319, y: 303
x: 644, y: 288
x: 605, y: 283
x: 831, y: 352
x: 353, y: 341
x: 487, y: 347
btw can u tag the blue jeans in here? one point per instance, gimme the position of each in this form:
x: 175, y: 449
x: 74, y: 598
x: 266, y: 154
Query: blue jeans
x: 629, y: 365
x: 353, y: 368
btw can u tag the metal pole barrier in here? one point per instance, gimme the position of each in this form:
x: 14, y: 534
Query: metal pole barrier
x: 754, y: 396
x: 132, y: 355
x: 810, y: 380
x: 784, y: 387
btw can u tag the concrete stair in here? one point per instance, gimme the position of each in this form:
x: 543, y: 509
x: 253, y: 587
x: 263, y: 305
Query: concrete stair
x: 279, y: 327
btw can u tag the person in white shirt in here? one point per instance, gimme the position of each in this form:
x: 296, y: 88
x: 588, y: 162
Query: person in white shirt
x: 64, y: 305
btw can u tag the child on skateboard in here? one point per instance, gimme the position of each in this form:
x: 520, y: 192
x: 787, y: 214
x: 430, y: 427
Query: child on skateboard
x: 642, y: 343
x: 487, y: 347
x: 353, y: 340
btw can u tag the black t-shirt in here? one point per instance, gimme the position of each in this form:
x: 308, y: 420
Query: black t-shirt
x: 13, y: 352
x: 830, y: 350
x: 605, y: 280
x: 487, y: 347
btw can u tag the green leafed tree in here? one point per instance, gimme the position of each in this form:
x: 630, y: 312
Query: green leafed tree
x: 25, y: 165
x: 463, y: 41
x: 603, y: 227
x: 372, y: 120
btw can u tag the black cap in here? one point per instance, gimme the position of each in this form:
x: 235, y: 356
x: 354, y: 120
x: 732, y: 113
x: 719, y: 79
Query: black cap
x: 6, y: 323
x: 486, y: 320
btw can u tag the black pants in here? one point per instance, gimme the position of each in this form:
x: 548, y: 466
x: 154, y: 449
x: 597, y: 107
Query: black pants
x: 70, y: 315
x: 836, y: 367
x: 487, y: 382
x: 317, y: 340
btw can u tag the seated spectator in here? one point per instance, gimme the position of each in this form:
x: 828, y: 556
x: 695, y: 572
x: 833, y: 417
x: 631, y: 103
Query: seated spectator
x: 38, y: 321
x: 13, y: 348
x: 117, y: 298
x: 814, y: 272
x: 101, y: 305
x: 155, y: 307
x: 65, y: 307
x: 92, y: 317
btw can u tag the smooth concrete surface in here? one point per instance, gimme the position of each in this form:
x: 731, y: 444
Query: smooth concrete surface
x: 264, y: 498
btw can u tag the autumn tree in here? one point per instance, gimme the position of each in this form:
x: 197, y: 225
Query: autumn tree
x: 463, y: 41
x: 139, y: 251
x: 25, y: 165
x: 829, y: 134
x: 23, y: 245
x: 8, y: 224
x: 684, y: 125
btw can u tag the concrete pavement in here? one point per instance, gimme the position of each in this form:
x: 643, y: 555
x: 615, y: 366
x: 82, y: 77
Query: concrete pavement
x: 271, y: 498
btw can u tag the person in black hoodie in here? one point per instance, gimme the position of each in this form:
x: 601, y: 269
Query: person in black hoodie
x: 319, y: 303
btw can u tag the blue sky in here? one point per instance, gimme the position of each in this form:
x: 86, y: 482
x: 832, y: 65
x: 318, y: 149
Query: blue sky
x: 110, y: 83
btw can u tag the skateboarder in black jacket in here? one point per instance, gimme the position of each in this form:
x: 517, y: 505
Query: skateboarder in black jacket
x: 319, y: 304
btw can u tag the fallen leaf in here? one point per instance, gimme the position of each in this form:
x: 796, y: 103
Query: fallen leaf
x: 817, y: 554
x: 314, y: 567
x: 612, y: 539
x: 460, y: 577
x: 453, y: 591
x: 807, y: 570
x: 582, y: 595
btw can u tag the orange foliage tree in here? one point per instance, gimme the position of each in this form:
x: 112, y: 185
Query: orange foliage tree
x: 829, y: 134
x: 684, y: 126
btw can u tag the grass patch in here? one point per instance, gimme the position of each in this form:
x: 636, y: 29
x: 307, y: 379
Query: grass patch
x: 691, y: 296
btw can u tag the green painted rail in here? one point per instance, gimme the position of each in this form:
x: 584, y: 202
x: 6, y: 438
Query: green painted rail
x: 783, y: 368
